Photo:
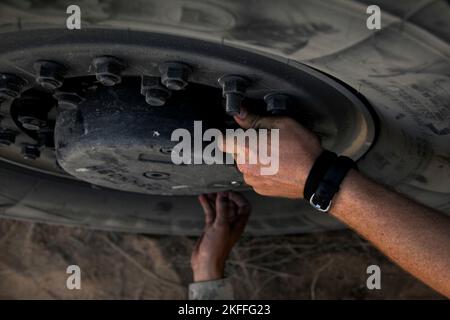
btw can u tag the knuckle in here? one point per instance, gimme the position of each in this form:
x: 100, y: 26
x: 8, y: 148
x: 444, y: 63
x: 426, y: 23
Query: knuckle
x: 250, y: 180
x: 244, y: 168
x: 261, y: 191
x: 286, y: 123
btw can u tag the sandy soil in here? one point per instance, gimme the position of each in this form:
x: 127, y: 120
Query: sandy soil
x: 34, y: 258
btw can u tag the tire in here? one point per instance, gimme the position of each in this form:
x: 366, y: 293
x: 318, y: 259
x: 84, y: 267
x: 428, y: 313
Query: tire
x: 403, y: 70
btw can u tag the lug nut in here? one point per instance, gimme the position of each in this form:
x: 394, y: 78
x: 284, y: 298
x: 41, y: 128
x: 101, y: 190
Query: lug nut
x: 30, y: 151
x: 50, y: 74
x: 7, y: 137
x: 156, y: 97
x: 11, y: 86
x: 155, y: 94
x: 277, y: 103
x: 68, y: 100
x: 233, y: 90
x: 175, y: 75
x: 108, y: 70
x: 32, y: 123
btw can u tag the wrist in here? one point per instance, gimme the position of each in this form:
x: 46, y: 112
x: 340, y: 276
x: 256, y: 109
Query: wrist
x: 326, y: 178
x: 208, y: 271
x: 304, y: 169
x: 349, y: 193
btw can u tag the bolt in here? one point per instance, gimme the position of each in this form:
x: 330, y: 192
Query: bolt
x: 233, y: 90
x: 156, y: 97
x: 32, y: 123
x: 50, y: 74
x: 68, y: 100
x: 155, y: 94
x: 277, y: 103
x: 7, y: 137
x: 30, y: 151
x: 108, y: 70
x: 11, y: 86
x: 174, y: 75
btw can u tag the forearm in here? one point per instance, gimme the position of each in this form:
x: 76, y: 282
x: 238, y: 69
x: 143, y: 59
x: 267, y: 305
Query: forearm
x: 415, y: 237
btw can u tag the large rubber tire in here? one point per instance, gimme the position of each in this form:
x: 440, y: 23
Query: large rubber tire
x: 403, y: 70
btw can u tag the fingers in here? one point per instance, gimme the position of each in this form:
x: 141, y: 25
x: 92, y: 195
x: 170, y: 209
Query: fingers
x: 232, y: 212
x: 211, y: 196
x: 241, y: 154
x: 241, y: 202
x: 243, y: 213
x: 231, y: 209
x: 244, y: 153
x: 207, y: 209
x: 249, y: 120
x: 230, y: 145
x: 212, y: 200
x: 222, y: 209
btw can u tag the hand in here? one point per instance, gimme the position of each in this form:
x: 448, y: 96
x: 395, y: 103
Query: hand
x: 298, y: 150
x: 226, y: 215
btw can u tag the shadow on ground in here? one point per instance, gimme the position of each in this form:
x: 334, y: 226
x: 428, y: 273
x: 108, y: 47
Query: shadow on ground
x: 332, y: 265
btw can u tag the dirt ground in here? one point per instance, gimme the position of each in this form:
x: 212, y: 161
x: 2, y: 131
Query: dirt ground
x: 332, y: 265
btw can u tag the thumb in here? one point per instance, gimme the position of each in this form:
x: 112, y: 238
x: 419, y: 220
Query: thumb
x: 248, y: 120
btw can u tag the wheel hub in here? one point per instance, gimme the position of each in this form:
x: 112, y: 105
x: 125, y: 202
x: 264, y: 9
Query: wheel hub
x: 115, y: 139
x: 85, y: 105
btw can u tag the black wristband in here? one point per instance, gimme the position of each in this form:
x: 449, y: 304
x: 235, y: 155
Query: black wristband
x: 317, y: 172
x: 329, y: 186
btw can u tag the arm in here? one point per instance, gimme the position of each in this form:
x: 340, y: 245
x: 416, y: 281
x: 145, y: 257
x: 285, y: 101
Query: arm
x: 415, y: 237
x: 226, y: 215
